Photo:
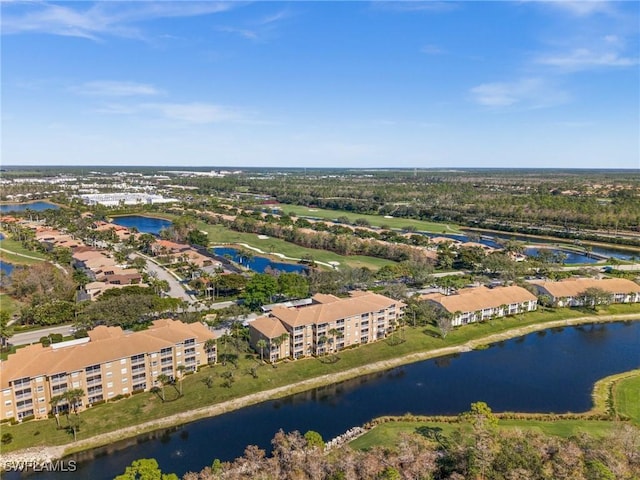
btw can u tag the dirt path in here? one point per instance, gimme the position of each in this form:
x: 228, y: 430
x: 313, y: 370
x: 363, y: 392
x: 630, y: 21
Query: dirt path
x: 224, y: 407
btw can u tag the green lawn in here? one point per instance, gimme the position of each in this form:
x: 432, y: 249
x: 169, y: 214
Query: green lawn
x: 148, y: 406
x: 626, y: 394
x: 387, y: 434
x: 374, y: 220
x: 9, y: 304
x: 221, y: 235
x: 17, y: 247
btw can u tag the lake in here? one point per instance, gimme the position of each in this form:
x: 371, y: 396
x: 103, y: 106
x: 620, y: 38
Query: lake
x: 21, y: 207
x: 550, y: 371
x: 568, y: 256
x: 6, y: 268
x: 257, y: 263
x: 150, y: 225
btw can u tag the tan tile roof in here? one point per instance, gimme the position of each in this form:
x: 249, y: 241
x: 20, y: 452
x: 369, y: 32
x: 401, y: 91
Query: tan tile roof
x: 270, y: 327
x: 574, y: 286
x: 479, y: 298
x: 330, y: 312
x: 106, y: 344
x: 325, y: 298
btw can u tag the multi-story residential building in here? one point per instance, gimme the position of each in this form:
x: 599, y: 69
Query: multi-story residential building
x: 470, y: 305
x: 568, y: 293
x: 329, y: 324
x: 107, y: 364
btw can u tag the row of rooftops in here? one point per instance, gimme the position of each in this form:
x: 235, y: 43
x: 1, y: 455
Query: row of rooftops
x: 106, y: 344
x: 479, y: 298
x: 177, y: 250
x: 324, y: 309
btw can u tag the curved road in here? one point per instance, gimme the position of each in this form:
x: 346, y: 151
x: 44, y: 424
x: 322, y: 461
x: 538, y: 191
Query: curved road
x: 176, y: 289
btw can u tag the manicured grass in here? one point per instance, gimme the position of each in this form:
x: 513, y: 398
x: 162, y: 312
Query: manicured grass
x: 374, y: 220
x: 221, y: 235
x: 388, y: 434
x: 626, y: 394
x: 148, y: 406
x: 16, y: 247
x: 9, y: 304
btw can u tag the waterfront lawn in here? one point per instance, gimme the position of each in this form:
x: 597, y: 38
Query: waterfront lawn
x: 221, y: 235
x: 374, y: 220
x: 626, y: 395
x: 388, y: 434
x: 148, y: 406
x: 14, y: 246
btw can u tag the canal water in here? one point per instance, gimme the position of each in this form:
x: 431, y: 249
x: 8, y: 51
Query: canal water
x: 21, y: 207
x: 550, y: 371
x: 257, y: 263
x: 143, y: 224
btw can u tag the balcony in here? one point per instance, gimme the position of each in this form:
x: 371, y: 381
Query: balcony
x: 138, y: 368
x: 97, y: 381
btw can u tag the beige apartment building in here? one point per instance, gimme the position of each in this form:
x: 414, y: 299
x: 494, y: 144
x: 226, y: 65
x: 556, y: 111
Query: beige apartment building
x: 108, y: 363
x: 470, y: 305
x: 329, y: 324
x: 568, y: 293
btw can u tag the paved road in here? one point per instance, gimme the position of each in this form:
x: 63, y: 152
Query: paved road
x: 176, y: 290
x: 34, y: 336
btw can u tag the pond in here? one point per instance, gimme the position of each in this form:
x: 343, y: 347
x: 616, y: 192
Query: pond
x: 257, y: 263
x: 21, y: 207
x: 566, y: 256
x: 150, y: 225
x: 550, y: 371
x: 6, y: 268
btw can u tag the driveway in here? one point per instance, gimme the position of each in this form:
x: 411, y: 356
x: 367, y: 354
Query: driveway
x: 176, y: 290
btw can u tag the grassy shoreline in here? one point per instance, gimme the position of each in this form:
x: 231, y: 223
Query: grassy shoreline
x: 601, y: 419
x: 302, y: 375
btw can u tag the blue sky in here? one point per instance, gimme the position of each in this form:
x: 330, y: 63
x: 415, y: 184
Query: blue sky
x: 313, y: 84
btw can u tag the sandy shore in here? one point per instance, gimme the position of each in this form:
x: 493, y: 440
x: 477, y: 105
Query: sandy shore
x: 224, y: 407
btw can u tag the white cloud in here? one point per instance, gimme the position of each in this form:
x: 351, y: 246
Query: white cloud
x: 432, y: 50
x: 526, y: 92
x: 584, y: 58
x: 582, y: 8
x: 100, y: 20
x: 198, y: 113
x: 116, y: 89
x: 192, y: 113
x: 414, y: 6
x: 258, y: 30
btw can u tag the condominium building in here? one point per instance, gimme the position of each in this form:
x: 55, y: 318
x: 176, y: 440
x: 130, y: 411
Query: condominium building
x: 108, y: 363
x: 568, y: 293
x: 470, y: 305
x: 329, y: 324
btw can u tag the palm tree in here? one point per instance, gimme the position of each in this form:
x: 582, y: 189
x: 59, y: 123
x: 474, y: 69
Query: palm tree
x: 74, y: 396
x: 261, y: 344
x: 334, y: 333
x: 322, y: 340
x: 163, y: 380
x: 209, y: 346
x: 279, y: 340
x: 180, y: 370
x: 6, y: 331
x: 55, y: 400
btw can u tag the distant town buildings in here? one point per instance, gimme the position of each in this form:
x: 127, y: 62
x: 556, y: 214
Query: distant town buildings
x: 116, y: 199
x: 107, y: 364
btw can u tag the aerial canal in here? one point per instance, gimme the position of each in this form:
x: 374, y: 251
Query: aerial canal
x: 550, y: 371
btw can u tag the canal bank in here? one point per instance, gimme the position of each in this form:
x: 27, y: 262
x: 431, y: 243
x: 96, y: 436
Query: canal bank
x: 284, y: 391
